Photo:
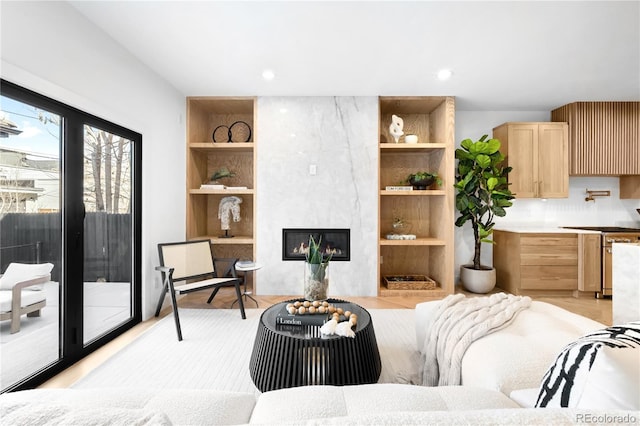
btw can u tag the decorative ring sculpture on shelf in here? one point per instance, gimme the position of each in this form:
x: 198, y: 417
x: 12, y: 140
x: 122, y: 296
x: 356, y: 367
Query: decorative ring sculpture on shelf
x: 237, y: 132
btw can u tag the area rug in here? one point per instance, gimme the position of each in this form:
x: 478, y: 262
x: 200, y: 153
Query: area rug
x: 216, y: 351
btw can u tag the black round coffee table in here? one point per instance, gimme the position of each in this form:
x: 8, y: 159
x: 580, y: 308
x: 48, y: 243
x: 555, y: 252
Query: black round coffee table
x: 286, y: 356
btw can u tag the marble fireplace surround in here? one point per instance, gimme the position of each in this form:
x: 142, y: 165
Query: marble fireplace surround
x: 339, y: 136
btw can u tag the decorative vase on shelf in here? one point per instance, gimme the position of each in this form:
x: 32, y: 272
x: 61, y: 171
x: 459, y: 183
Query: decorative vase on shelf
x: 400, y: 226
x: 395, y: 128
x: 316, y: 274
x: 316, y: 281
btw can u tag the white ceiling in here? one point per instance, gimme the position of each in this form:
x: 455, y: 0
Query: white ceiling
x: 505, y: 55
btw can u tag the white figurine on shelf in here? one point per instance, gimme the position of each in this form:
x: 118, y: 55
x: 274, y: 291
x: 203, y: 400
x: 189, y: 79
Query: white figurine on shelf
x: 229, y: 206
x: 395, y: 128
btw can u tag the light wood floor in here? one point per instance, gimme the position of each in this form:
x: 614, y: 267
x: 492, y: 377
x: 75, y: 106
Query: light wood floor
x: 597, y: 309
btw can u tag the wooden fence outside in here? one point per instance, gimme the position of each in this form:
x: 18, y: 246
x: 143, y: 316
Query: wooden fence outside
x: 37, y: 237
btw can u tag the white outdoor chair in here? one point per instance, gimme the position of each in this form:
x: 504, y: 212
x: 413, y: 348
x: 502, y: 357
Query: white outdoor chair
x: 191, y: 263
x: 22, y: 291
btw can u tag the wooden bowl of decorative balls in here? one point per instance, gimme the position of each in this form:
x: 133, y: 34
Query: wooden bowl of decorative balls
x: 321, y: 307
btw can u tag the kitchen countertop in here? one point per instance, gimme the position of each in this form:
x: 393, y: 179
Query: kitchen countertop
x: 542, y: 229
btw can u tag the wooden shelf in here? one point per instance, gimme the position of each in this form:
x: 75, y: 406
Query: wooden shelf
x: 225, y: 146
x: 238, y: 239
x: 420, y: 241
x: 415, y: 193
x: 436, y: 293
x: 221, y: 191
x: 411, y: 147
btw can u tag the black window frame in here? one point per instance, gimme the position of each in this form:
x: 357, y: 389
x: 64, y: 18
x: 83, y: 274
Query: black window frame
x: 71, y: 174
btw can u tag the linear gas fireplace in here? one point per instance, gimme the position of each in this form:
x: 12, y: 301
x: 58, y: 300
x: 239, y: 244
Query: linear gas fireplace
x: 295, y: 243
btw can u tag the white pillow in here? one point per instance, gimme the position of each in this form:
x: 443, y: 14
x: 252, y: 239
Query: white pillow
x: 18, y: 272
x: 613, y: 381
x: 525, y: 398
x: 566, y: 379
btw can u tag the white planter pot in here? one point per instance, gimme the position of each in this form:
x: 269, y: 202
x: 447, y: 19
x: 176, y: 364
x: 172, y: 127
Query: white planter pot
x: 477, y: 280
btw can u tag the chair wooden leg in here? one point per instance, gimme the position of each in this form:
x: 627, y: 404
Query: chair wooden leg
x: 240, y: 302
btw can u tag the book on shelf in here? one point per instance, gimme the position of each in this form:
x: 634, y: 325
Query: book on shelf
x: 285, y: 318
x: 399, y: 188
x: 211, y: 186
x: 221, y: 187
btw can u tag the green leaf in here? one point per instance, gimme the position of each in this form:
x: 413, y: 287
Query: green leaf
x: 462, y: 203
x: 491, y: 183
x: 492, y: 146
x: 466, y: 144
x: 462, y: 219
x: 498, y: 211
x: 503, y: 203
x: 483, y: 161
x: 482, y: 232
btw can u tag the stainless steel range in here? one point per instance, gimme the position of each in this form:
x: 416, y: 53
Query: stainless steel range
x: 609, y: 236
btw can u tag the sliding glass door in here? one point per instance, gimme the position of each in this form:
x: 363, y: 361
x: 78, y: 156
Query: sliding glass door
x: 70, y: 191
x: 108, y: 241
x: 30, y: 233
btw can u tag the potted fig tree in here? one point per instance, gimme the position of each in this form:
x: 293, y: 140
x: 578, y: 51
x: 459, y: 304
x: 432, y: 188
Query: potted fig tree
x: 482, y: 193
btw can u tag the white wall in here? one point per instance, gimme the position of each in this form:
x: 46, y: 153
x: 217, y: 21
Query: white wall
x: 570, y: 211
x: 67, y: 59
x: 339, y: 136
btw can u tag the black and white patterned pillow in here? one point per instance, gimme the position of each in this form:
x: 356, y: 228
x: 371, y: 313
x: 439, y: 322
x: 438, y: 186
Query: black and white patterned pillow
x: 564, y: 382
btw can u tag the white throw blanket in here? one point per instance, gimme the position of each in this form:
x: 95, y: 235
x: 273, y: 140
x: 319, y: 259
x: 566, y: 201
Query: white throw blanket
x: 457, y: 323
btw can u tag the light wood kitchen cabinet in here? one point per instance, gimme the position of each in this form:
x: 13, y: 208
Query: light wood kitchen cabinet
x: 589, y: 266
x: 539, y: 155
x: 604, y: 137
x: 536, y: 264
x: 629, y: 187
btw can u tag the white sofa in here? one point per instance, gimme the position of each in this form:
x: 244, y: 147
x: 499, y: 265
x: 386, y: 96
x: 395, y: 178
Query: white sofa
x: 512, y: 358
x: 517, y: 356
x: 379, y: 404
x: 515, y: 359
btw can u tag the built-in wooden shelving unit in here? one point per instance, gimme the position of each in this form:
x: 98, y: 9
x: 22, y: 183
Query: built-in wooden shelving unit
x: 429, y: 212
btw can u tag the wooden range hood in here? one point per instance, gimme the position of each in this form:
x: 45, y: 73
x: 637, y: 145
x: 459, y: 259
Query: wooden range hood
x: 604, y: 140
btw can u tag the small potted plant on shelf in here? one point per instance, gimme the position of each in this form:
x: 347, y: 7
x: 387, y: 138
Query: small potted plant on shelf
x: 423, y: 180
x: 483, y: 193
x: 214, y: 183
x: 316, y: 280
x: 223, y: 172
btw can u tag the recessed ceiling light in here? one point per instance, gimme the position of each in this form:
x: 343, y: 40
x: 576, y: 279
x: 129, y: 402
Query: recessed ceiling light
x: 268, y: 75
x: 444, y: 74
